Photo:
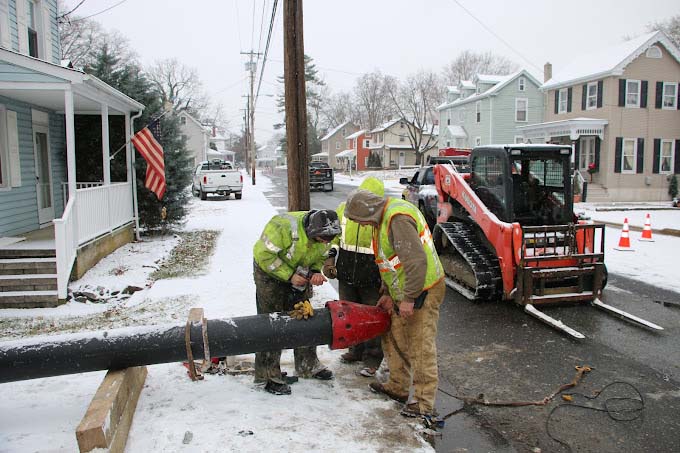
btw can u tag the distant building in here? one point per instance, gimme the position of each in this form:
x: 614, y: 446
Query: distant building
x: 196, y: 136
x: 334, y: 142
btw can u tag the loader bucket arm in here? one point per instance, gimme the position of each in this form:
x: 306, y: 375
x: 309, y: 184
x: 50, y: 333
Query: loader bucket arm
x: 504, y: 237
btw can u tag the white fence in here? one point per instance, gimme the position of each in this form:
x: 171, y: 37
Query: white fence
x: 95, y: 211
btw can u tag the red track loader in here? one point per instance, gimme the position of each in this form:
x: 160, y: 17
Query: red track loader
x: 507, y: 230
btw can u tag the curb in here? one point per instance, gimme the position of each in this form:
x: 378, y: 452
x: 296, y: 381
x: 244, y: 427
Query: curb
x: 634, y: 208
x: 664, y: 231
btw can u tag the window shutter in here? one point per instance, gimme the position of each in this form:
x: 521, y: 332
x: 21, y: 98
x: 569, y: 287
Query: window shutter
x: 577, y: 152
x: 597, y: 153
x: 13, y: 145
x: 47, y: 34
x: 600, y: 93
x: 622, y: 92
x: 676, y: 160
x: 643, y: 95
x: 583, y: 96
x: 618, y: 154
x: 657, y: 155
x: 569, y: 100
x: 557, y: 100
x: 677, y: 104
x: 640, y: 155
x: 22, y: 27
x: 5, y: 40
x: 659, y: 95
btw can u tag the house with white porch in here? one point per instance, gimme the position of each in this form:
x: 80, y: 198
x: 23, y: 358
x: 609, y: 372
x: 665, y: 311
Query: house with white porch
x: 196, y: 136
x: 48, y: 234
x: 619, y: 107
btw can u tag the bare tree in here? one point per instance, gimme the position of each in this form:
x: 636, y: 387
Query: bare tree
x: 373, y: 99
x: 178, y: 84
x: 81, y: 39
x: 415, y: 101
x: 671, y: 27
x: 339, y: 108
x: 469, y: 63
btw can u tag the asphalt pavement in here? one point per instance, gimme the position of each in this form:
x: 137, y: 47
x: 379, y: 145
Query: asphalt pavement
x: 498, y: 352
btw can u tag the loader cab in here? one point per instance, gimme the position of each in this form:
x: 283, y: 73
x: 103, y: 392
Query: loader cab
x: 529, y: 184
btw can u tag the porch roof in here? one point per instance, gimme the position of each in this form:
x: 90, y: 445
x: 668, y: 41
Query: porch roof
x: 573, y: 128
x: 43, y: 84
x: 346, y: 153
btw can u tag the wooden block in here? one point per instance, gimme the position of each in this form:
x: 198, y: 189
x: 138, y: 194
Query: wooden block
x: 107, y: 422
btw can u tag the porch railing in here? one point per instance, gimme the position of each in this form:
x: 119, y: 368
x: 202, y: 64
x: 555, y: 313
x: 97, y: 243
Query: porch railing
x: 66, y: 244
x: 96, y: 210
x: 79, y: 185
x: 580, y: 185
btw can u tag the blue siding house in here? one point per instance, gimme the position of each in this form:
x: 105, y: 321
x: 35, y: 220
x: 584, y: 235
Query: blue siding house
x: 488, y: 109
x: 49, y: 221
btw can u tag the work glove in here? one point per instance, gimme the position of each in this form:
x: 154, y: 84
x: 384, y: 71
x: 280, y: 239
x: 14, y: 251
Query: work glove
x: 329, y: 270
x: 302, y: 310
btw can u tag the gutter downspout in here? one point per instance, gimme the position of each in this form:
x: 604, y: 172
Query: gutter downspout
x: 134, y: 174
x: 491, y: 120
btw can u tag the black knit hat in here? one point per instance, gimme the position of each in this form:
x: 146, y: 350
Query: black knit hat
x: 322, y: 223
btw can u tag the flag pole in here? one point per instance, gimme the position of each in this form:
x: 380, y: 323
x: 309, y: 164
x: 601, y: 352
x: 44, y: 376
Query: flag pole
x: 130, y: 140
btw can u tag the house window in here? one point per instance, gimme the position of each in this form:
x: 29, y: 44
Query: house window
x: 587, y: 153
x: 337, y: 145
x: 448, y: 143
x: 632, y: 93
x: 519, y: 139
x: 401, y: 138
x: 562, y: 100
x: 666, y: 157
x: 670, y: 95
x: 479, y: 90
x: 521, y: 84
x: 653, y: 52
x: 448, y: 121
x: 32, y: 30
x: 478, y: 141
x: 367, y: 143
x: 629, y: 160
x: 343, y: 132
x: 478, y: 110
x: 521, y: 105
x: 182, y: 120
x: 401, y: 125
x: 591, y: 102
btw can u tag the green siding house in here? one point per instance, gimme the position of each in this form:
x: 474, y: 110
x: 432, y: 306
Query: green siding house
x: 488, y: 109
x: 50, y: 223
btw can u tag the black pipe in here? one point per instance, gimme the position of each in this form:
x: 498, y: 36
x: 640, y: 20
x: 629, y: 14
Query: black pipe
x: 128, y: 347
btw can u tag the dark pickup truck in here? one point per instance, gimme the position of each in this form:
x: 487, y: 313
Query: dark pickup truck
x: 320, y: 176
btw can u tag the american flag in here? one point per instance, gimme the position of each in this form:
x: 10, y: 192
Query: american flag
x: 152, y: 152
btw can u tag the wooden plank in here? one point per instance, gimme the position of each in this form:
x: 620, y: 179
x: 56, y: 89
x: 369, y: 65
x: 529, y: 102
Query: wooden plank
x: 107, y: 422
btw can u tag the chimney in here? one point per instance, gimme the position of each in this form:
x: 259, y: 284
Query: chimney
x: 547, y: 72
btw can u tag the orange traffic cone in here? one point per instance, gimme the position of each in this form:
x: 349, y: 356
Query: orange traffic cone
x: 647, y: 230
x: 624, y: 241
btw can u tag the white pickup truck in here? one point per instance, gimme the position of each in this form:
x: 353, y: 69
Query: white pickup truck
x: 217, y: 177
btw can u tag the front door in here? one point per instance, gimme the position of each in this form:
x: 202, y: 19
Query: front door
x: 587, y: 153
x: 402, y: 158
x: 43, y: 175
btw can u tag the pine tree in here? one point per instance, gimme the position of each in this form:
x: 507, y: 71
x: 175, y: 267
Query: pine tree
x: 673, y: 187
x: 130, y: 80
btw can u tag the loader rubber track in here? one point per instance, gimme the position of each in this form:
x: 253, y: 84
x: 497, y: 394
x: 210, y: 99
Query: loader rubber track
x: 482, y: 262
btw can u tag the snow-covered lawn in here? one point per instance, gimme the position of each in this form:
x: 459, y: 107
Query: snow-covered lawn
x: 220, y: 412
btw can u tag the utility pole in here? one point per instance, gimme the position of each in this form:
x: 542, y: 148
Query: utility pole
x: 252, y: 67
x: 296, y: 106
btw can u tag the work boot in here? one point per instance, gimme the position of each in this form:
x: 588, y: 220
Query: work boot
x: 323, y: 375
x: 277, y: 388
x: 377, y: 387
x: 350, y: 357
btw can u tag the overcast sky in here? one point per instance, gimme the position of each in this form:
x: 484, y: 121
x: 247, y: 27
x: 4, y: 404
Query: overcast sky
x: 347, y: 38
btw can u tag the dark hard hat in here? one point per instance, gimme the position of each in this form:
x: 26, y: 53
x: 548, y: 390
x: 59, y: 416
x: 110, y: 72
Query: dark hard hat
x: 320, y: 223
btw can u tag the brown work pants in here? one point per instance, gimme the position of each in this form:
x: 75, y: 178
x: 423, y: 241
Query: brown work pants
x: 410, y: 347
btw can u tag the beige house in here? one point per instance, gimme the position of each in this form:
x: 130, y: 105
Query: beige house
x: 390, y: 142
x: 333, y: 143
x: 620, y: 109
x: 196, y: 136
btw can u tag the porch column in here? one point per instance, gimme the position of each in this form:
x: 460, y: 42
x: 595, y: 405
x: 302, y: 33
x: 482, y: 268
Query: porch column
x: 106, y: 158
x: 70, y: 143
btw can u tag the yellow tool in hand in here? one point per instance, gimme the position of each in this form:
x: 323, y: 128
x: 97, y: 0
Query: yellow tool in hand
x: 302, y: 310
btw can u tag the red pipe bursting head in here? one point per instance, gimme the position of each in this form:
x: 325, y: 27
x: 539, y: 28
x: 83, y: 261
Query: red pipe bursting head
x: 354, y: 323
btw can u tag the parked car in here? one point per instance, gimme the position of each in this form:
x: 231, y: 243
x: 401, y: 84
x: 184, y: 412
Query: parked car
x: 462, y: 163
x: 421, y: 191
x: 320, y: 176
x: 217, y: 177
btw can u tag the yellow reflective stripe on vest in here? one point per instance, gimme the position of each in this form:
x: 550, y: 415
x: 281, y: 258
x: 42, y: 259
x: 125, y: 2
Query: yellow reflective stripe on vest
x: 389, y: 265
x: 294, y: 233
x: 426, y: 238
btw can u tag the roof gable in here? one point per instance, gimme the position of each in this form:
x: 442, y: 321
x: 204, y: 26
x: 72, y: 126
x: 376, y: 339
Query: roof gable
x: 335, y: 130
x: 609, y: 61
x: 507, y: 79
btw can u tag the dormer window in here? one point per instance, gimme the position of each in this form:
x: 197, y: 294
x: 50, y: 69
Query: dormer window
x: 521, y: 84
x: 653, y: 52
x: 182, y: 120
x: 32, y: 30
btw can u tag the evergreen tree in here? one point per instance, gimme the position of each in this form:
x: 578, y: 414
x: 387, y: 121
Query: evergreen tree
x: 673, y: 187
x: 130, y: 80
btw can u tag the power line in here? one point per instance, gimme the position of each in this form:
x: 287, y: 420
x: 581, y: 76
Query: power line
x: 259, y: 41
x: 266, y: 48
x: 238, y: 25
x: 70, y: 12
x: 496, y: 34
x: 100, y: 12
